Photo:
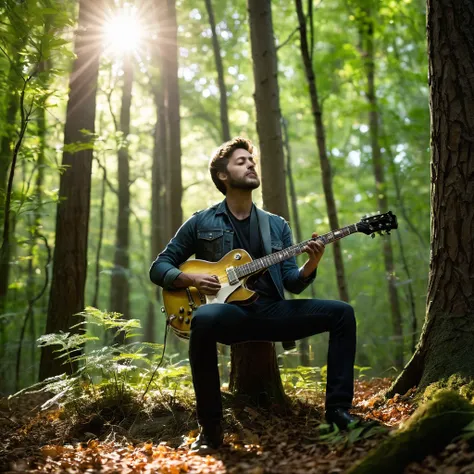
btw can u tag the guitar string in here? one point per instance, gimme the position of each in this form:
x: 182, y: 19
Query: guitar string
x: 272, y: 259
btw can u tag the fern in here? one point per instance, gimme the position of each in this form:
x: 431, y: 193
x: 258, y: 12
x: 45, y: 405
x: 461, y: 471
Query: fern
x: 112, y: 374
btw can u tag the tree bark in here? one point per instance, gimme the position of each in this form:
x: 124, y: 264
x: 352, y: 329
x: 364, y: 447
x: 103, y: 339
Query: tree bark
x: 254, y: 369
x: 320, y: 136
x: 160, y: 192
x: 381, y: 185
x: 254, y: 373
x: 170, y: 57
x: 225, y: 130
x: 72, y: 218
x: 445, y: 346
x: 95, y: 297
x: 120, y: 287
x: 304, y: 343
x: 224, y: 112
x: 267, y: 103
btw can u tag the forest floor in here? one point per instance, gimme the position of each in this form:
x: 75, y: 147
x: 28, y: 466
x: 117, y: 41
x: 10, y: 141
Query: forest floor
x: 257, y: 441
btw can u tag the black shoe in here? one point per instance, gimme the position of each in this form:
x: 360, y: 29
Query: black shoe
x: 209, y: 439
x: 341, y: 417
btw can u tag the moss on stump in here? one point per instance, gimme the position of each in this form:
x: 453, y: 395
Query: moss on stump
x: 427, y: 431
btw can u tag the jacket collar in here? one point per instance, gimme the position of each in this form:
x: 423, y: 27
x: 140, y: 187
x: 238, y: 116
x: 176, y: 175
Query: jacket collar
x: 221, y: 208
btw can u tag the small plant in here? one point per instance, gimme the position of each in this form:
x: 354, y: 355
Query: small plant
x: 119, y: 374
x: 306, y: 378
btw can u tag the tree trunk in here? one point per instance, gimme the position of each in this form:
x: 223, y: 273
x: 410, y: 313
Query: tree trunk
x: 160, y: 195
x: 254, y: 369
x: 72, y: 218
x: 304, y: 343
x: 267, y: 103
x: 120, y: 288
x: 225, y: 132
x: 34, y: 226
x: 445, y: 346
x: 95, y: 297
x: 409, y: 286
x: 381, y: 186
x: 224, y: 113
x: 6, y: 149
x: 170, y: 57
x: 10, y: 125
x: 158, y: 200
x: 254, y: 373
x: 320, y: 136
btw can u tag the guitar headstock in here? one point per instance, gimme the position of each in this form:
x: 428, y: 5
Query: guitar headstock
x: 379, y: 223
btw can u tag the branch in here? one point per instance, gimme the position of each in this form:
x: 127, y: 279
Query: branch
x: 287, y: 39
x: 109, y: 184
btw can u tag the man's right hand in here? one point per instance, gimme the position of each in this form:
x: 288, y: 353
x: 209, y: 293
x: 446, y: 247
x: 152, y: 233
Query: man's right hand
x: 206, y: 284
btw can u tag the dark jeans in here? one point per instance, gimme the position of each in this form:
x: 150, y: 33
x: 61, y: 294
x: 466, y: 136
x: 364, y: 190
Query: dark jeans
x: 271, y: 321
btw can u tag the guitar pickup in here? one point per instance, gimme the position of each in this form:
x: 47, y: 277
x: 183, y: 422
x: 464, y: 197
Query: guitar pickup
x: 232, y: 276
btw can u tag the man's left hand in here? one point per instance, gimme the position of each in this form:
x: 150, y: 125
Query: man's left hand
x: 315, y: 250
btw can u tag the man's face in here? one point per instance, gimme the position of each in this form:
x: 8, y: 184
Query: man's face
x: 241, y: 171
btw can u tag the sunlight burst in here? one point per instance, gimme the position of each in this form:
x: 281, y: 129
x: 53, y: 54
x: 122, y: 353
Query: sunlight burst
x: 124, y: 32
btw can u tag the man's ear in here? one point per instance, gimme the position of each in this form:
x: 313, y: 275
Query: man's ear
x: 222, y: 176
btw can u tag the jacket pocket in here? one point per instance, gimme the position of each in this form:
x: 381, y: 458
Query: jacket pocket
x: 210, y: 244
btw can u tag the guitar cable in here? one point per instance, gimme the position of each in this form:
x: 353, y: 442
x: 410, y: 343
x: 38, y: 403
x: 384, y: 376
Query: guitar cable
x: 161, y: 360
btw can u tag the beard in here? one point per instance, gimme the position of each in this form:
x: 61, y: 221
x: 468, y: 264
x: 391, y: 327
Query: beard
x: 246, y: 182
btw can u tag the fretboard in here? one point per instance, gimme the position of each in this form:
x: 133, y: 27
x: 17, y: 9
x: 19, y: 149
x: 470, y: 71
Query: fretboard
x: 277, y: 257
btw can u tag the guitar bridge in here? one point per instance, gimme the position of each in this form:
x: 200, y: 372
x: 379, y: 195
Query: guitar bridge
x: 232, y: 276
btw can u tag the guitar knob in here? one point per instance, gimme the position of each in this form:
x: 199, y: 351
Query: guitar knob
x: 187, y: 321
x: 172, y: 317
x: 190, y: 311
x: 181, y: 319
x: 181, y: 309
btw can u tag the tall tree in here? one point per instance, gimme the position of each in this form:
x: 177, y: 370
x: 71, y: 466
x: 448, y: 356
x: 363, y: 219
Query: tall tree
x: 254, y: 366
x: 320, y: 135
x: 120, y: 285
x: 169, y: 38
x: 445, y: 346
x: 367, y: 26
x: 10, y: 130
x: 160, y: 192
x: 295, y: 220
x: 72, y: 218
x: 224, y: 111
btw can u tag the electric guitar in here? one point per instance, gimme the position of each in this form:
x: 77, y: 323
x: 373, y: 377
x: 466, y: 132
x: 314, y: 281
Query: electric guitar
x: 236, y: 267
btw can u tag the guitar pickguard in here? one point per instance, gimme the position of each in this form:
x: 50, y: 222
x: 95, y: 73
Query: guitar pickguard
x: 222, y: 295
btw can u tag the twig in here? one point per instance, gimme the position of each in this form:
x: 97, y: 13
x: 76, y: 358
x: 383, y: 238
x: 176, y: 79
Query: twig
x: 290, y: 37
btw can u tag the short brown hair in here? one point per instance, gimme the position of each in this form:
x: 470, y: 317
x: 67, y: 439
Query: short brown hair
x: 220, y: 159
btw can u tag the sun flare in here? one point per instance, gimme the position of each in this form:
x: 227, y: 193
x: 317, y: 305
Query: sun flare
x: 123, y: 31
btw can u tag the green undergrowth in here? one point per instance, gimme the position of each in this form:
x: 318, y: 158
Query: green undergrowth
x: 123, y: 388
x: 112, y: 384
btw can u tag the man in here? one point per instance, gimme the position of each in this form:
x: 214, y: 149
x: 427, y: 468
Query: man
x: 237, y: 223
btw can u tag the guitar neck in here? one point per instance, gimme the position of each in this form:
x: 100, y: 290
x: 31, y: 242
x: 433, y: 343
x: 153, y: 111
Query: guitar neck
x: 277, y: 257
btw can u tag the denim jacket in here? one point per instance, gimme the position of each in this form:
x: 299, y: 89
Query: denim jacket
x: 209, y: 235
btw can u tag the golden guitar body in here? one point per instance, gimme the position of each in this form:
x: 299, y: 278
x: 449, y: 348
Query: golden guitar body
x: 180, y: 304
